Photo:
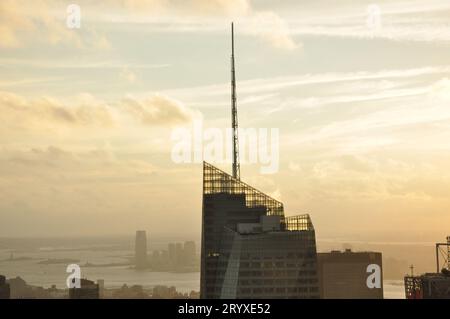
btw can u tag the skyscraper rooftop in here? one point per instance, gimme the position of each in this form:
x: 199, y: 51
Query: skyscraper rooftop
x: 249, y: 248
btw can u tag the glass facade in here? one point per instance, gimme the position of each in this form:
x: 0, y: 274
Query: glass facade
x: 247, y: 255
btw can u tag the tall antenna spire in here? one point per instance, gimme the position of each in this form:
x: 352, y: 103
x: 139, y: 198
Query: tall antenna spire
x: 234, y: 119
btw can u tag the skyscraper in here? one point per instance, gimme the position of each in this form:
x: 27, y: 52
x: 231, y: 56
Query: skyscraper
x: 189, y: 253
x: 141, y: 249
x: 249, y: 248
x: 5, y: 292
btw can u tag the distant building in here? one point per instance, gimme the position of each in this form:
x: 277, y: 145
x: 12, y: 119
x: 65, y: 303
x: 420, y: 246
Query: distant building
x: 141, y: 250
x: 172, y: 254
x: 189, y: 253
x: 88, y: 290
x: 5, y: 292
x: 156, y: 255
x: 164, y: 292
x: 133, y: 292
x: 431, y: 285
x: 19, y: 288
x: 343, y: 275
x: 164, y: 255
x: 101, y: 288
x: 428, y: 286
x: 179, y: 254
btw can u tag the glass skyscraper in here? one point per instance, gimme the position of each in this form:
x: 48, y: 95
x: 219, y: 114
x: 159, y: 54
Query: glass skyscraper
x: 249, y: 248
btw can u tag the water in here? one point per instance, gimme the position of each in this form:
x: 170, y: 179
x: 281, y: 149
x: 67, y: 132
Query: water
x: 394, y: 289
x: 28, y: 253
x: 27, y: 257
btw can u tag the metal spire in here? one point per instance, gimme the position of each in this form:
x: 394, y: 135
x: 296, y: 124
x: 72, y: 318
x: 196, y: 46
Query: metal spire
x: 234, y: 119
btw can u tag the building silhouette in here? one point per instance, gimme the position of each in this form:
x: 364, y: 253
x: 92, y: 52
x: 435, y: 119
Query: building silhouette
x: 5, y: 291
x: 189, y: 252
x: 172, y: 253
x: 179, y: 254
x: 141, y: 250
x: 249, y: 248
x: 88, y: 290
x: 101, y: 288
x: 432, y: 285
x: 179, y: 257
x: 19, y: 288
x: 343, y: 275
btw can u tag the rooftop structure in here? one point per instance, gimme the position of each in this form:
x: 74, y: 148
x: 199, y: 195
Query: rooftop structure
x: 432, y: 285
x: 249, y: 248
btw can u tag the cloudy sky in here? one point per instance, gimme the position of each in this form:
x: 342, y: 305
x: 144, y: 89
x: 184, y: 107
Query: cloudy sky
x: 361, y: 101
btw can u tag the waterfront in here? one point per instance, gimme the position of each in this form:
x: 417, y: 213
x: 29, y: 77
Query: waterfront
x: 31, y: 255
x: 27, y: 266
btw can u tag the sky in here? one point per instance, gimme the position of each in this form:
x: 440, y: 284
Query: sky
x: 358, y: 90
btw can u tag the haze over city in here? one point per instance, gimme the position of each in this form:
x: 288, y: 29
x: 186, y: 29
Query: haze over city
x: 87, y: 114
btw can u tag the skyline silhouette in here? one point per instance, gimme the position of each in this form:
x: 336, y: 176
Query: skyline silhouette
x: 359, y: 96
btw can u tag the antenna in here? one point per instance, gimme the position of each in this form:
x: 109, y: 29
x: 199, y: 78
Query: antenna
x: 444, y: 253
x: 448, y: 252
x: 234, y: 119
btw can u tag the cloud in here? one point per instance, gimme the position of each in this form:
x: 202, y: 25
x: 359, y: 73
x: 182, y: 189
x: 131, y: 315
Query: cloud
x: 82, y: 191
x: 273, y: 29
x: 371, y: 85
x: 20, y: 20
x: 20, y: 113
x: 127, y: 75
x: 400, y: 20
x: 157, y: 109
x: 441, y: 89
x: 191, y: 7
x: 11, y: 23
x: 24, y: 22
x: 83, y: 113
x: 294, y: 166
x: 76, y: 64
x: 207, y: 15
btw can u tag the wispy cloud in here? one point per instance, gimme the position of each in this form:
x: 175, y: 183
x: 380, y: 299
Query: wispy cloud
x: 85, y: 113
x: 20, y: 21
x: 76, y: 64
x: 275, y: 84
x: 400, y: 20
x: 157, y: 110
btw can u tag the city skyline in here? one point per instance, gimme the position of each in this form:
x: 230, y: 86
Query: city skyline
x: 363, y: 114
